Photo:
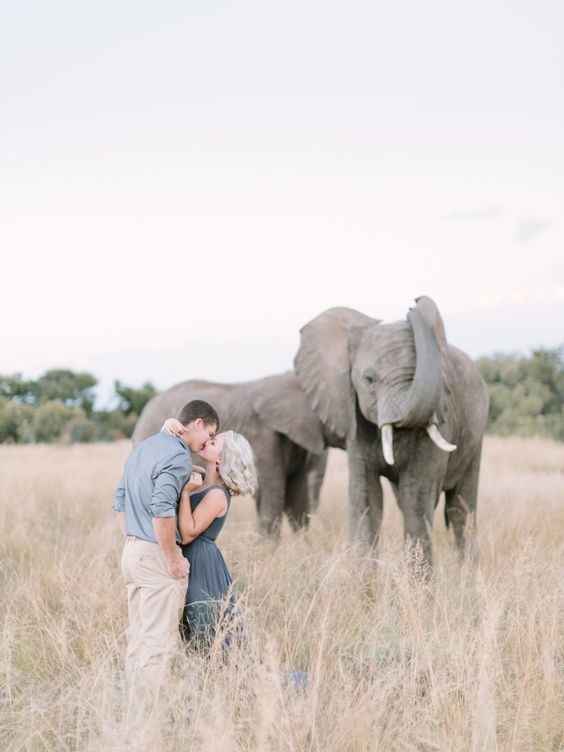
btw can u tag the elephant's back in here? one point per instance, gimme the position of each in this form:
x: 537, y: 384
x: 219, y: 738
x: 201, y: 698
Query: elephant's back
x: 227, y: 399
x: 168, y: 404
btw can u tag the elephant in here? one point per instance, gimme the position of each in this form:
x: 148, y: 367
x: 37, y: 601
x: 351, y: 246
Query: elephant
x: 407, y: 406
x: 286, y: 435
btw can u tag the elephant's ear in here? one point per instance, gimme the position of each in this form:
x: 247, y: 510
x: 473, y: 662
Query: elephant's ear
x: 323, y: 366
x: 282, y: 405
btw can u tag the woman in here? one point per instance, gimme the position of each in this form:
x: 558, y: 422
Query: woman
x: 230, y: 471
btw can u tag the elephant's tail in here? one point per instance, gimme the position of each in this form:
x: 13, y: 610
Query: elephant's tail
x: 447, y: 523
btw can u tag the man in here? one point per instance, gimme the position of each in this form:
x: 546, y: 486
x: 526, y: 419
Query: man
x: 152, y: 564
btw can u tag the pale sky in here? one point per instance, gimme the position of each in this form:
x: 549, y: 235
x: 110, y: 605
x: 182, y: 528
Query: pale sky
x: 184, y: 184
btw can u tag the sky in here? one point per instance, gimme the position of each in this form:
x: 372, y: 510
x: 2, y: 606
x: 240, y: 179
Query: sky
x: 185, y: 184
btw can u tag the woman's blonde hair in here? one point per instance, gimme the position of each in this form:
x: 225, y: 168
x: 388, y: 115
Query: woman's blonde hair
x: 237, y: 467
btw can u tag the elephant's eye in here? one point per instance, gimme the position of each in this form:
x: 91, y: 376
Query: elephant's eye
x: 370, y: 377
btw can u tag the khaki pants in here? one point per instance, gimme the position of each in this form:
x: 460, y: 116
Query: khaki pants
x: 154, y: 602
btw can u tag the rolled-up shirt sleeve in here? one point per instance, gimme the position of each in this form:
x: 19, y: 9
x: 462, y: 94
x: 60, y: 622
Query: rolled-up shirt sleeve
x: 119, y: 496
x: 169, y: 479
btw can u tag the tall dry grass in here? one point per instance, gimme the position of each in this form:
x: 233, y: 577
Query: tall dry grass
x: 472, y: 661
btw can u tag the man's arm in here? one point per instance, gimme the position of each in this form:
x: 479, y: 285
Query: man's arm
x: 165, y: 533
x: 168, y: 482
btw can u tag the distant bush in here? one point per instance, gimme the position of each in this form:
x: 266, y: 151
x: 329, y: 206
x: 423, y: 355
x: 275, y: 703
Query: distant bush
x: 112, y: 425
x: 80, y: 430
x: 16, y: 422
x: 60, y: 406
x: 50, y: 420
x: 526, y: 393
x: 73, y: 389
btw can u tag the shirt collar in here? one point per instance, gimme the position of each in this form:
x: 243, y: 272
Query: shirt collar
x: 184, y: 444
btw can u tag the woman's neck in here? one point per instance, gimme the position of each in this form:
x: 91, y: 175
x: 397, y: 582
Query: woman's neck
x: 212, y: 474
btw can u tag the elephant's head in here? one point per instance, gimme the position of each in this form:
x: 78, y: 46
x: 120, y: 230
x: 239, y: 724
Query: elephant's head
x: 397, y: 372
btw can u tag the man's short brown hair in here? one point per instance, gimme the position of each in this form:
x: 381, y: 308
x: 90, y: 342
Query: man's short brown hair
x: 198, y: 409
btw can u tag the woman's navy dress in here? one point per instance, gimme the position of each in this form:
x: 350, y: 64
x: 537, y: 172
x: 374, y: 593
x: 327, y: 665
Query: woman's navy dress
x: 209, y: 581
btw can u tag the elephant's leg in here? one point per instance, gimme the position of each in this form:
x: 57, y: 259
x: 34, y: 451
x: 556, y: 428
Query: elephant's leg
x: 270, y: 500
x: 297, y: 500
x: 316, y: 465
x: 271, y: 507
x: 461, y: 504
x: 366, y: 498
x: 271, y: 462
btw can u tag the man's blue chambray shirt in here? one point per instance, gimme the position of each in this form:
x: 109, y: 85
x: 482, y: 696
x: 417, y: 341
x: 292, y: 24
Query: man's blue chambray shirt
x: 152, y: 481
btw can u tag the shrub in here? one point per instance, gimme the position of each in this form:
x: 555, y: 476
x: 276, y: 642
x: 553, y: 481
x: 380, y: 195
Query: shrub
x: 15, y: 422
x: 80, y: 430
x: 526, y: 393
x: 50, y: 420
x: 113, y: 425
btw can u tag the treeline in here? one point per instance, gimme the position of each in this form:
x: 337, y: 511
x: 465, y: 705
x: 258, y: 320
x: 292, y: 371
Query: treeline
x: 526, y: 394
x: 59, y: 406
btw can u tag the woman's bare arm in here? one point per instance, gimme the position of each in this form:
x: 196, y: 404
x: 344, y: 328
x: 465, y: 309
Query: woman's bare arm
x: 192, y: 523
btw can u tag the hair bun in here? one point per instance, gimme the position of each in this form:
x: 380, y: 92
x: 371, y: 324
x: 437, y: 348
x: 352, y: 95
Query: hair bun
x: 237, y: 468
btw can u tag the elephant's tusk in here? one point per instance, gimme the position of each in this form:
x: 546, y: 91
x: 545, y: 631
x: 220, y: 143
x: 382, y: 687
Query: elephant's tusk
x: 440, y: 441
x: 388, y: 443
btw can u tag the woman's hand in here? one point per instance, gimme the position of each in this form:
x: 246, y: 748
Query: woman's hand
x: 173, y: 427
x: 196, y: 481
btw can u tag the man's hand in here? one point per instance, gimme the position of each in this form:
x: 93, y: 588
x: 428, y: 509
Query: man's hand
x: 165, y: 533
x: 173, y: 427
x: 178, y: 566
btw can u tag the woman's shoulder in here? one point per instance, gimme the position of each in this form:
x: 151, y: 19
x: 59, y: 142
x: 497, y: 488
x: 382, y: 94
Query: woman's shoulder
x: 216, y: 492
x: 217, y: 487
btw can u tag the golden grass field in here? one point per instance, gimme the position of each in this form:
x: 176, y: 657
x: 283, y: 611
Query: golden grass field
x: 472, y: 661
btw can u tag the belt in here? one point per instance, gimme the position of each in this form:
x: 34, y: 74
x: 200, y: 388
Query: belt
x: 136, y: 539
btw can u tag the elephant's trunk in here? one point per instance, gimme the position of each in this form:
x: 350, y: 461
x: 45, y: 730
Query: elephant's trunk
x: 422, y: 399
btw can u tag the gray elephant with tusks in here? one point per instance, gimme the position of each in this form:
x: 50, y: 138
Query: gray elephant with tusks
x: 286, y: 435
x: 407, y: 406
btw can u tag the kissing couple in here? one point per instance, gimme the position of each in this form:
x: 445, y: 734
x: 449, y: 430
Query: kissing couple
x: 171, y: 513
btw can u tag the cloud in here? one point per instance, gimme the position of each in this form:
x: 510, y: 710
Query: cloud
x: 479, y: 214
x: 530, y: 228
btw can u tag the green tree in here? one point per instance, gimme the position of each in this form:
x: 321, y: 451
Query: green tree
x: 132, y: 400
x: 74, y: 389
x: 13, y: 386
